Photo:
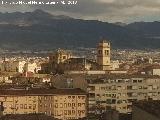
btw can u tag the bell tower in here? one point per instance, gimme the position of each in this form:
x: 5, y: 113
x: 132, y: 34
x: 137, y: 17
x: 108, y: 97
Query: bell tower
x: 103, y: 55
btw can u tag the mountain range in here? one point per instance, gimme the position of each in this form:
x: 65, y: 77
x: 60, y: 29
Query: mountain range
x: 42, y: 30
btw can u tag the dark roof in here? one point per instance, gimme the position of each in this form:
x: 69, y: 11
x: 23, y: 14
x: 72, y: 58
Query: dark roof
x: 17, y: 92
x: 27, y: 117
x: 100, y: 79
x: 152, y: 107
x: 79, y: 60
x: 152, y: 67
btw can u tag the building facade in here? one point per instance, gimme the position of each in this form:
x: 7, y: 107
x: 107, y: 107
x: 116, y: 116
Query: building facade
x: 118, y: 92
x: 12, y: 66
x: 58, y: 103
x: 30, y: 67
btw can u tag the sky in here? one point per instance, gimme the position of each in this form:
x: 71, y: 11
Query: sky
x: 126, y: 11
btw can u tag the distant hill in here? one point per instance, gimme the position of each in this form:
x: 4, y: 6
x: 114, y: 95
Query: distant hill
x: 41, y: 30
x: 149, y: 33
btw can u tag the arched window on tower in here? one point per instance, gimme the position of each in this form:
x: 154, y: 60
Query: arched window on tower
x: 106, y: 52
x: 100, y: 52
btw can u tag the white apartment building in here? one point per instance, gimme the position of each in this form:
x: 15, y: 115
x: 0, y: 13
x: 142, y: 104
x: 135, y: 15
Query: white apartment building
x: 31, y: 67
x: 12, y: 66
x: 118, y: 92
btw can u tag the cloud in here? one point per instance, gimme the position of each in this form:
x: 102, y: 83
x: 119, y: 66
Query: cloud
x: 105, y: 10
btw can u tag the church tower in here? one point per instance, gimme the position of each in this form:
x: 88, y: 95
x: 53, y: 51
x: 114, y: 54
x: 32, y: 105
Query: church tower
x: 103, y: 55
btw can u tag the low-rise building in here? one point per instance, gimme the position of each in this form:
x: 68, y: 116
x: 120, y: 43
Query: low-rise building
x: 58, y: 103
x: 12, y: 66
x: 30, y: 67
x: 33, y: 116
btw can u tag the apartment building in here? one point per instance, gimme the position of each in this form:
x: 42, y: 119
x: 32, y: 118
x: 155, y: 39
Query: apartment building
x: 58, y: 103
x: 12, y: 66
x: 31, y: 67
x: 119, y: 92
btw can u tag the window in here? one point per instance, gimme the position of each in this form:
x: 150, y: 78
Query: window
x: 83, y: 111
x: 113, y: 101
x: 69, y: 104
x: 69, y: 112
x: 56, y: 105
x: 129, y: 87
x: 73, y: 112
x: 50, y: 105
x: 155, y: 87
x: 134, y: 87
x: 134, y: 81
x: 30, y: 106
x: 61, y: 105
x: 140, y: 81
x: 73, y: 97
x: 40, y: 105
x: 40, y: 98
x: 113, y: 95
x: 56, y: 113
x: 25, y: 106
x: 45, y: 105
x: 98, y: 95
x: 73, y: 104
x: 45, y: 98
x: 65, y: 105
x: 64, y: 57
x: 79, y: 112
x: 79, y: 104
x: 61, y: 112
x: 100, y: 52
x: 103, y: 88
x: 50, y: 98
x: 106, y: 52
x: 34, y: 106
x: 108, y: 101
x: 21, y: 106
x: 65, y: 112
x: 134, y: 94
